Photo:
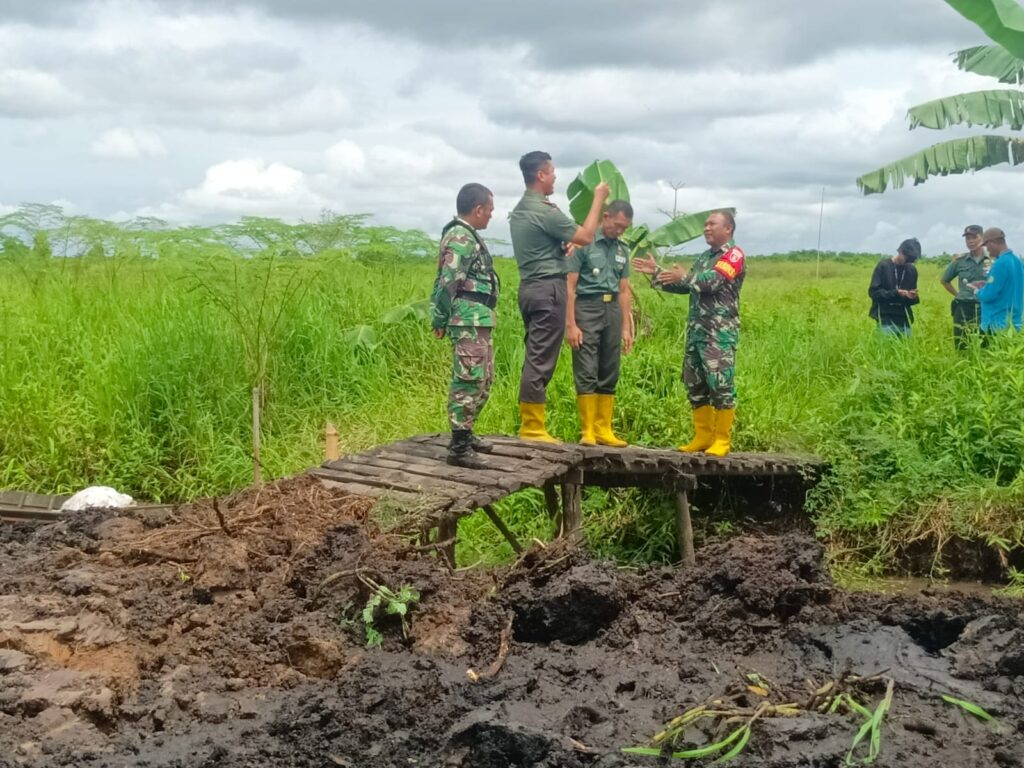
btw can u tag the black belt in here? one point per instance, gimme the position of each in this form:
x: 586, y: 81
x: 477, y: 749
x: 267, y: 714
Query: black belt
x: 542, y: 279
x: 487, y: 299
x: 605, y: 297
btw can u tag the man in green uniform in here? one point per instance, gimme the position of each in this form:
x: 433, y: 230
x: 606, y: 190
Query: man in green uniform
x: 598, y: 326
x: 540, y: 233
x: 712, y: 330
x: 465, y: 295
x: 970, y: 270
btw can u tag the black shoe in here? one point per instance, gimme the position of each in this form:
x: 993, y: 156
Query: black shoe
x: 480, y: 445
x: 461, y: 453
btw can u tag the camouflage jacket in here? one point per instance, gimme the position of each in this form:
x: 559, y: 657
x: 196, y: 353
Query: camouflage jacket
x: 466, y: 281
x: 714, y: 284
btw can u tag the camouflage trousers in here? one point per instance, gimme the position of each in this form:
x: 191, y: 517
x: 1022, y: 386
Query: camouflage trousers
x: 472, y: 373
x: 709, y: 367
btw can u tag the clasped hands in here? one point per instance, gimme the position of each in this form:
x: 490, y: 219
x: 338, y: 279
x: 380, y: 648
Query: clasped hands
x: 648, y: 266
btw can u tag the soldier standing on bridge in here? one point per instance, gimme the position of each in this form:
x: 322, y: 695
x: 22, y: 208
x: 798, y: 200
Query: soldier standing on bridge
x: 464, y: 298
x: 598, y: 326
x: 540, y: 233
x: 712, y: 330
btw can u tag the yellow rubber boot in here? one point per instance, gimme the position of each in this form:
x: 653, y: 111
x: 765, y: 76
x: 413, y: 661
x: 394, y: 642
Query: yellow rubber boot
x: 703, y: 430
x: 723, y: 433
x: 603, y: 423
x: 587, y: 405
x: 532, y: 428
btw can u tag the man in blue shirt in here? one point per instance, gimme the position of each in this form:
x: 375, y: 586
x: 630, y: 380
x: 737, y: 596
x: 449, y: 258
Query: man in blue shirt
x: 1002, y: 296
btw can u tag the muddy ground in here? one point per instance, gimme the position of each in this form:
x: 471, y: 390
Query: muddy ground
x: 233, y: 636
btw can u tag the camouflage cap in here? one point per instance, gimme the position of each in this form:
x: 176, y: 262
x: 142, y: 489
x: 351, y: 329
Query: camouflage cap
x: 973, y: 229
x: 992, y: 233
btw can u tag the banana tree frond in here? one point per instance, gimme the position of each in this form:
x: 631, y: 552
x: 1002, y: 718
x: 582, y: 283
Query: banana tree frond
x: 682, y: 229
x: 1001, y: 20
x: 581, y: 189
x: 948, y: 157
x: 991, y: 61
x: 992, y: 109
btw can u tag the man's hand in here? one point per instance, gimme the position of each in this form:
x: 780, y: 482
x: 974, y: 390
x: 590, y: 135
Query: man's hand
x: 601, y: 191
x: 574, y: 336
x: 670, y: 276
x: 645, y: 265
x: 439, y: 332
x: 569, y: 248
x: 627, y: 342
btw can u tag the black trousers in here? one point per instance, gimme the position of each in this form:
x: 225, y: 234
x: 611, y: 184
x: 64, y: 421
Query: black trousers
x: 966, y: 320
x: 542, y: 305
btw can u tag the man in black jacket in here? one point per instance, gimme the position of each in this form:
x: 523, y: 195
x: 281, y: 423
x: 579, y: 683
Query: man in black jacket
x: 893, y: 289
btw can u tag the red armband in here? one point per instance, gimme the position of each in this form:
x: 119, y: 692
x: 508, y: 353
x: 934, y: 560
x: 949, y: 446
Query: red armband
x: 730, y: 263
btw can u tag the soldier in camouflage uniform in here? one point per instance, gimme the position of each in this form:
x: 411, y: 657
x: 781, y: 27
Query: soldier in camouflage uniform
x: 464, y: 298
x: 712, y: 330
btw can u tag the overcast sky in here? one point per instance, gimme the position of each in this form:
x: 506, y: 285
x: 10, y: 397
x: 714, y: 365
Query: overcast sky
x: 206, y: 111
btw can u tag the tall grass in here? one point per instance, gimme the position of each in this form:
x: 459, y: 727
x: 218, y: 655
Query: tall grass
x: 131, y: 364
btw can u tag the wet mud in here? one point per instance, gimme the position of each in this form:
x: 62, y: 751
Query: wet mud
x: 234, y: 635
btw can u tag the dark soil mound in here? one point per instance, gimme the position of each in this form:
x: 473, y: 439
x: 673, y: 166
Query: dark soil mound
x: 233, y: 634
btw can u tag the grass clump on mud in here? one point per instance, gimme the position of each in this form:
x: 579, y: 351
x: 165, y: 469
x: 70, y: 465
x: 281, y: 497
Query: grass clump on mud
x: 131, y: 351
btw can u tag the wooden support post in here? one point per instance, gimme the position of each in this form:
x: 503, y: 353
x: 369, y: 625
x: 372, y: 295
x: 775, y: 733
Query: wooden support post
x: 257, y: 470
x: 447, y: 530
x: 685, y: 528
x: 500, y: 525
x: 551, y: 504
x: 331, y: 452
x: 572, y: 513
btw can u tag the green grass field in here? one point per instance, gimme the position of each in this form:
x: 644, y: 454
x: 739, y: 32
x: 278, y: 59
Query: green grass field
x: 132, y: 365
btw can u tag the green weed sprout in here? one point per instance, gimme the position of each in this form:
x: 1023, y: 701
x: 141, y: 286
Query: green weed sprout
x: 395, y: 604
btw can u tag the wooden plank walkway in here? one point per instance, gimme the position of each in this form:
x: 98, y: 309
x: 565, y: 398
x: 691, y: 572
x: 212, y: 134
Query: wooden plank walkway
x: 20, y: 505
x: 428, y: 493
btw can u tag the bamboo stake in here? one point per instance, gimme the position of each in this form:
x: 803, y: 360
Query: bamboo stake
x: 257, y: 473
x: 331, y: 452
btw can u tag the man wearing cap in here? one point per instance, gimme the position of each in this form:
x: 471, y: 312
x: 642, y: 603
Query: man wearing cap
x: 597, y: 323
x: 1002, y: 296
x: 893, y: 289
x: 969, y: 270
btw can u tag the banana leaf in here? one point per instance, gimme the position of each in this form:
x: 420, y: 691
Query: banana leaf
x: 1001, y: 20
x: 684, y: 228
x: 581, y: 189
x: 992, y: 109
x: 991, y: 61
x: 948, y: 157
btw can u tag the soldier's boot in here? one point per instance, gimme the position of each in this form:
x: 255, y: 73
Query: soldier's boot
x: 703, y: 430
x: 461, y: 453
x: 723, y: 433
x: 480, y: 445
x: 532, y: 427
x: 603, y: 423
x: 587, y: 406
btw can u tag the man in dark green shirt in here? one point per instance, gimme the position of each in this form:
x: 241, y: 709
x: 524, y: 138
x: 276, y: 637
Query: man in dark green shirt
x: 540, y: 233
x: 970, y: 270
x: 598, y: 323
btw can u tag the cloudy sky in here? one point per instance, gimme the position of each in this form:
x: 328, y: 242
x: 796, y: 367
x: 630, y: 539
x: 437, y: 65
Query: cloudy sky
x: 206, y: 111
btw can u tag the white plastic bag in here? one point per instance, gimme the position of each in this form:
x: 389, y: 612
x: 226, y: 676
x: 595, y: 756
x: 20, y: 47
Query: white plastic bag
x: 96, y: 497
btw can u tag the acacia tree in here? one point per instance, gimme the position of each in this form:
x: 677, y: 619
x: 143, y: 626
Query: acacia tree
x: 1003, y: 22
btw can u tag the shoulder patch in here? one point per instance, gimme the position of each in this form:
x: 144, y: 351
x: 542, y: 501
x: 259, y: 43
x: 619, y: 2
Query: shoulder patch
x: 730, y: 263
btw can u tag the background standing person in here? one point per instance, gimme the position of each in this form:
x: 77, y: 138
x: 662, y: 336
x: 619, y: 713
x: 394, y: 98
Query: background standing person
x: 540, y: 233
x: 1002, y: 297
x: 464, y: 298
x: 893, y: 289
x: 712, y: 330
x: 969, y: 270
x: 598, y: 324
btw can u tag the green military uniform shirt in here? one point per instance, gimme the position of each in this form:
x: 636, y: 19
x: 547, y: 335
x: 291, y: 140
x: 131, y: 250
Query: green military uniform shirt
x: 966, y: 270
x: 538, y: 230
x: 464, y: 265
x: 601, y: 265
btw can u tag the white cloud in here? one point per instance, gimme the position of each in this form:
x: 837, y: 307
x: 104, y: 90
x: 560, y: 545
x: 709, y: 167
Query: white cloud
x: 128, y: 144
x: 30, y: 93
